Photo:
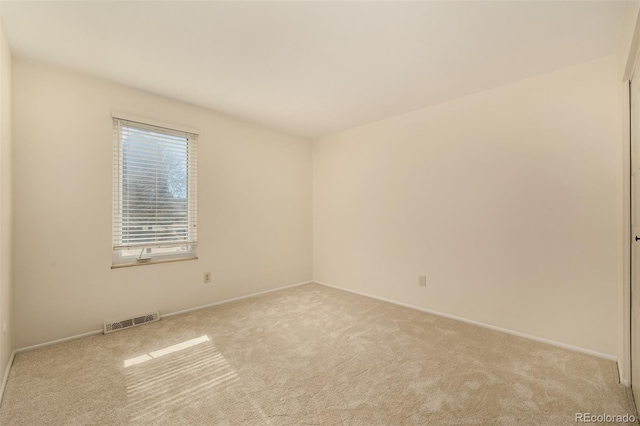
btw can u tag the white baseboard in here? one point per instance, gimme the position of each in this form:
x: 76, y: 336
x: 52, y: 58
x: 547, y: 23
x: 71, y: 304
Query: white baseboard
x: 170, y: 314
x: 441, y: 314
x: 480, y: 324
x: 222, y: 302
x: 6, y: 375
x: 92, y: 333
x: 55, y: 342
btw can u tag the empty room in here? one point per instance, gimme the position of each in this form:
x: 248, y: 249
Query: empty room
x: 319, y: 212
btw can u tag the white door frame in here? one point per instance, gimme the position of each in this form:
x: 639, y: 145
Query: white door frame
x: 632, y: 54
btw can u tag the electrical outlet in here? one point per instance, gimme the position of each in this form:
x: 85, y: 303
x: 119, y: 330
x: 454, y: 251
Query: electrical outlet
x: 422, y: 280
x: 207, y: 277
x: 4, y: 328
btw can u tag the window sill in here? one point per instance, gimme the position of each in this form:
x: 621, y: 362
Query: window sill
x: 152, y: 262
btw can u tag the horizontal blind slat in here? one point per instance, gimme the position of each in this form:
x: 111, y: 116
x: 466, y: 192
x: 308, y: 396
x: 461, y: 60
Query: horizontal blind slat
x: 158, y: 245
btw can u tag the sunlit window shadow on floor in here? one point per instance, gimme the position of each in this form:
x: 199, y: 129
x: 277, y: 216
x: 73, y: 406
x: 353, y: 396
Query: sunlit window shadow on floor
x: 171, y: 379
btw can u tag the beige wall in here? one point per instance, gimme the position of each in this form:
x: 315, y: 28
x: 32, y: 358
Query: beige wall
x: 254, y: 207
x: 6, y: 344
x: 507, y: 200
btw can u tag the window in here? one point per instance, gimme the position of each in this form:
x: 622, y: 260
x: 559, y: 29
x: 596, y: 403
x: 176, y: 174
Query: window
x: 154, y: 193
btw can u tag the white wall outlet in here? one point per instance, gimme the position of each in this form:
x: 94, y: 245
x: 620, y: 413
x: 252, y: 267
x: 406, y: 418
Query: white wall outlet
x: 422, y: 280
x: 207, y: 277
x: 4, y: 328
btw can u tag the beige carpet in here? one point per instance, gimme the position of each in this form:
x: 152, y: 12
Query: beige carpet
x: 308, y: 355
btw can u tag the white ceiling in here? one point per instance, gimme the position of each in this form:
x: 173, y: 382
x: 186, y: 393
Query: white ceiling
x: 312, y: 68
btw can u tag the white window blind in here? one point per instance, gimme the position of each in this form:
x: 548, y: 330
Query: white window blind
x: 154, y: 192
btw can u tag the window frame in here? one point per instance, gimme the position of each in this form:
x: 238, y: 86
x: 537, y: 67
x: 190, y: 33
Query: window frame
x: 119, y: 258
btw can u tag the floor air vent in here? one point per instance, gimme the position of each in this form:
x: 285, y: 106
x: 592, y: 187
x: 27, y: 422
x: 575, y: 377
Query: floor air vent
x: 112, y: 326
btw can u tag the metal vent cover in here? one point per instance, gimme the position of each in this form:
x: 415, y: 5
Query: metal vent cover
x: 112, y: 326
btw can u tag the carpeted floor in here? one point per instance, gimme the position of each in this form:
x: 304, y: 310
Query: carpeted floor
x: 308, y: 355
